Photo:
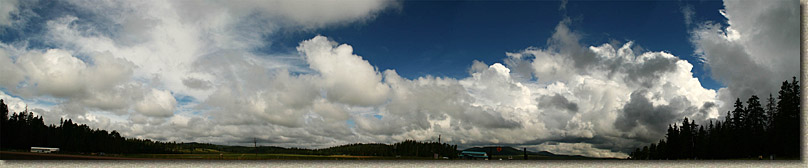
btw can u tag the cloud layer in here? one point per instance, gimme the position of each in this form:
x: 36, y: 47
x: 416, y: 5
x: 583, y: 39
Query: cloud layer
x: 165, y: 71
x: 755, y: 52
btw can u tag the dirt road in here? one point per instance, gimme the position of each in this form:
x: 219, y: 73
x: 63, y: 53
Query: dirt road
x: 5, y: 155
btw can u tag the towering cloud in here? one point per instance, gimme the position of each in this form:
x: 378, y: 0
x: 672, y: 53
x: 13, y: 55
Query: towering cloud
x: 166, y: 71
x: 347, y: 78
x: 755, y: 52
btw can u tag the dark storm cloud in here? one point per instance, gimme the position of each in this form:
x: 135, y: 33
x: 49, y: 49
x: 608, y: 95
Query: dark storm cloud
x: 566, y: 42
x: 648, y: 72
x: 195, y: 83
x: 558, y: 101
x: 756, y: 49
x: 640, y: 111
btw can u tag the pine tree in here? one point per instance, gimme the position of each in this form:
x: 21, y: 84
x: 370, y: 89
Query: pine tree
x: 710, y: 146
x: 738, y: 115
x: 4, y: 111
x: 652, y: 152
x: 701, y: 143
x: 786, y: 120
x: 793, y: 138
x: 738, y: 129
x: 771, y: 110
x: 3, y: 126
x: 755, y: 125
x: 662, y: 150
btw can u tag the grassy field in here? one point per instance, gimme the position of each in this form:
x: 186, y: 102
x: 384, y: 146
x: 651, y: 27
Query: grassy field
x: 232, y: 156
x: 18, y: 155
x: 252, y: 156
x: 209, y: 155
x: 540, y: 157
x: 5, y: 155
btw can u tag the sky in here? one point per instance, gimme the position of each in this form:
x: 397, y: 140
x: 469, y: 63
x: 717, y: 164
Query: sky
x: 592, y: 78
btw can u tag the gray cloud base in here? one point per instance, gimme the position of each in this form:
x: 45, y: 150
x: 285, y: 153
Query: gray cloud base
x: 129, y: 66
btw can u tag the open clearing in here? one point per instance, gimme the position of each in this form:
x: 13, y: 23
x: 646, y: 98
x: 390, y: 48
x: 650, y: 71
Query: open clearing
x: 6, y: 155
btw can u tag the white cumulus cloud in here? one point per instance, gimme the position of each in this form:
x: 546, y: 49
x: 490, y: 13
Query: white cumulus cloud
x: 188, y: 71
x: 347, y: 78
x: 157, y: 103
x: 755, y: 52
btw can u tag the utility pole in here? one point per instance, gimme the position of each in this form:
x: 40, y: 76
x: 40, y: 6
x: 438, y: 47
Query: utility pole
x: 525, y: 151
x: 438, y: 138
x: 490, y: 154
x: 255, y: 142
x: 416, y: 149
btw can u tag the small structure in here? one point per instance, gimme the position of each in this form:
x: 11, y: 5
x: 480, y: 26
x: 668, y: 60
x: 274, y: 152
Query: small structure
x: 44, y: 150
x: 472, y: 155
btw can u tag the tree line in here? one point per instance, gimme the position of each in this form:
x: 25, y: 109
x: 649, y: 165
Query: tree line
x: 424, y: 149
x: 23, y: 130
x: 405, y: 148
x: 751, y: 131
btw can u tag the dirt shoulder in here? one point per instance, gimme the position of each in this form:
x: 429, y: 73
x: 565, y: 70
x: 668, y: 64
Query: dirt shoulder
x: 6, y: 155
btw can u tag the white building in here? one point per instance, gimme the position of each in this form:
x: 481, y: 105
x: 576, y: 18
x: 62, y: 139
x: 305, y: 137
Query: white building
x: 44, y: 150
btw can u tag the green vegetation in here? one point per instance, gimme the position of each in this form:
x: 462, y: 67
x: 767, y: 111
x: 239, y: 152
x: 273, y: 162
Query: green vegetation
x: 492, y: 150
x: 510, y: 153
x: 746, y: 132
x: 750, y: 131
x: 406, y: 148
x: 251, y: 156
x: 23, y: 130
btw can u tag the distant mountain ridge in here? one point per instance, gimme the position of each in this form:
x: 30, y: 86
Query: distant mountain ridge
x: 507, y: 150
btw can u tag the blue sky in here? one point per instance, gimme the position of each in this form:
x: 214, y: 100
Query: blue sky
x: 323, y: 73
x: 441, y: 38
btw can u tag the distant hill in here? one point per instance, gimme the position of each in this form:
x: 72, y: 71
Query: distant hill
x: 27, y: 130
x: 507, y: 150
x: 404, y: 148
